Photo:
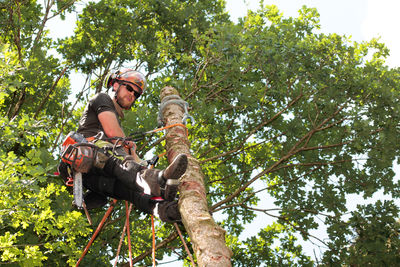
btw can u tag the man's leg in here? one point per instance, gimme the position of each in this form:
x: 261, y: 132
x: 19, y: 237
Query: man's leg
x: 103, y: 185
x: 94, y: 200
x: 167, y: 211
x: 84, y: 158
x: 162, y: 183
x: 165, y: 182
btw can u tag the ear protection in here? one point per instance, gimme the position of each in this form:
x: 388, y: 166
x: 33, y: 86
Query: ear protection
x: 111, y: 78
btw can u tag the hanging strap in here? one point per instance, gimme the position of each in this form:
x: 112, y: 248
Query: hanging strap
x: 184, y: 244
x: 153, y: 250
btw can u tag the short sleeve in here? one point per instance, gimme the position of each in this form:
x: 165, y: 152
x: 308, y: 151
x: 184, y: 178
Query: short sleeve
x: 102, y: 102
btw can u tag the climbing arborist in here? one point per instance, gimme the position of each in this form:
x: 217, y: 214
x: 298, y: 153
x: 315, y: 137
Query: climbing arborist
x: 109, y: 164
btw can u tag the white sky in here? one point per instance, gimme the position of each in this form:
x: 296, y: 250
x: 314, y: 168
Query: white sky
x: 360, y: 19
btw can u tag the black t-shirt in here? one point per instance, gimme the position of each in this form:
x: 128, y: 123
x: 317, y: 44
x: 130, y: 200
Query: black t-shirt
x: 89, y: 125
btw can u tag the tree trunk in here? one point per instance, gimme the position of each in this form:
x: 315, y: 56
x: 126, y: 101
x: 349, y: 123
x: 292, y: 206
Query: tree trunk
x: 207, y: 237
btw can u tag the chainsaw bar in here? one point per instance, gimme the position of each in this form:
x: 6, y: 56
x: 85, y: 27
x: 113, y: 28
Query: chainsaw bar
x: 78, y: 195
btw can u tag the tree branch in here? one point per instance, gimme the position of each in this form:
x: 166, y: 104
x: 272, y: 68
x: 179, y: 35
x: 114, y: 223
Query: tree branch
x: 46, y: 98
x: 258, y: 127
x: 294, y: 150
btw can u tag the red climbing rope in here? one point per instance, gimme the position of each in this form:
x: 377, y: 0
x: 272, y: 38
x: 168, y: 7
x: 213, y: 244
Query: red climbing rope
x: 153, y: 251
x: 99, y: 227
x: 129, y: 232
x: 120, y: 244
x: 184, y: 244
x: 170, y: 126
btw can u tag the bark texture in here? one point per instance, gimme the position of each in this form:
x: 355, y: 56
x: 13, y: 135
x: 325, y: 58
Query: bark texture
x: 207, y: 237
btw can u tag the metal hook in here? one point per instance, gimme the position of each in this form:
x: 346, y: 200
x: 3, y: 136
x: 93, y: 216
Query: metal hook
x: 186, y: 115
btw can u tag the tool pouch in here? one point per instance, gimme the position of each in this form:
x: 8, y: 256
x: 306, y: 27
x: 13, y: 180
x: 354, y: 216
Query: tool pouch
x: 78, y: 153
x: 79, y: 157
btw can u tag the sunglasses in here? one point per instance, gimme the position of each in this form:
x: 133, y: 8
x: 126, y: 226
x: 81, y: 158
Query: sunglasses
x: 130, y: 89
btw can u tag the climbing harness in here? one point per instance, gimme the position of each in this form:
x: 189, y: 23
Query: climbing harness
x: 76, y: 152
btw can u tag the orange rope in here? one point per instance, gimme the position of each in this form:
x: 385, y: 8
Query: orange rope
x: 87, y: 214
x: 184, y: 244
x: 153, y: 251
x: 99, y: 227
x: 129, y: 234
x: 120, y: 245
x: 170, y: 126
x: 162, y: 154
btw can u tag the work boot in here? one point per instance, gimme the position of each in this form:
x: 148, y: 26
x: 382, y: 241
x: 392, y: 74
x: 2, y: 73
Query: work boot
x: 168, y: 211
x: 169, y: 178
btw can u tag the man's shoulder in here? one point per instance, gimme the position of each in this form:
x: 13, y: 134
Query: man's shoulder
x: 101, y: 96
x: 101, y: 102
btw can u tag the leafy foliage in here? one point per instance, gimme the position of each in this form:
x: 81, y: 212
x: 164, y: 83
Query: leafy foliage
x: 260, y: 250
x: 35, y: 208
x: 283, y: 112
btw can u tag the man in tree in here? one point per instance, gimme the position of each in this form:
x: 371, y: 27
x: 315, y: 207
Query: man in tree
x: 111, y: 167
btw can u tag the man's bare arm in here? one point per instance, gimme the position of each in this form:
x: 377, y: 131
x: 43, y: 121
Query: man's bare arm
x: 111, y: 128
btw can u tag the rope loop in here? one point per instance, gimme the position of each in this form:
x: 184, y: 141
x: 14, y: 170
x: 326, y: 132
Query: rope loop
x: 174, y: 99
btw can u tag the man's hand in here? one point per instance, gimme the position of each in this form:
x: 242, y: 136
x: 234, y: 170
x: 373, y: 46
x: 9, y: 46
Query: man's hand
x: 130, y: 144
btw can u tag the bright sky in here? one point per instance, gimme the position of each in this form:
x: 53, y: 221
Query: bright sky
x: 360, y: 19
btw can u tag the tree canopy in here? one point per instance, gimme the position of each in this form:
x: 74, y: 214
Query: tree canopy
x: 284, y: 113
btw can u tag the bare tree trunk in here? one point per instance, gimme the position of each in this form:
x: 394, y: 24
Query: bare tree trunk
x: 207, y: 237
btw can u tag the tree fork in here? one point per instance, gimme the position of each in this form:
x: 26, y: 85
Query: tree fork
x: 207, y: 237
